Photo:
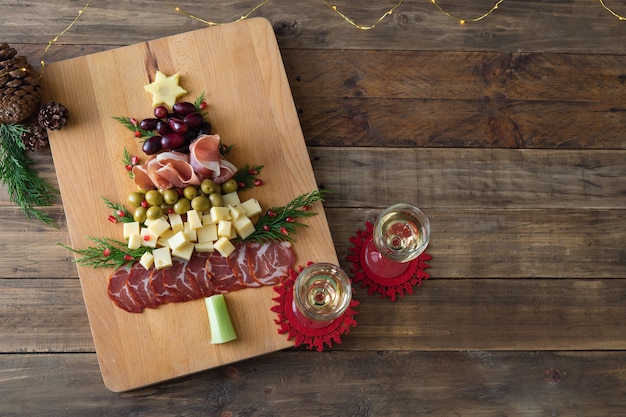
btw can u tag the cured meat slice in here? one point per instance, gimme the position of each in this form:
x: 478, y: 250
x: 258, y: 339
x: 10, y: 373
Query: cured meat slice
x: 206, y: 160
x: 163, y: 293
x: 196, y: 270
x: 221, y: 275
x: 240, y: 262
x: 133, y: 288
x: 139, y: 282
x: 121, y: 294
x: 175, y: 279
x: 270, y: 262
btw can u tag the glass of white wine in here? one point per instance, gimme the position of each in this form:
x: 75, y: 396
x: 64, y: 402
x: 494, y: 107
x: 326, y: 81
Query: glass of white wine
x: 321, y: 293
x: 401, y: 233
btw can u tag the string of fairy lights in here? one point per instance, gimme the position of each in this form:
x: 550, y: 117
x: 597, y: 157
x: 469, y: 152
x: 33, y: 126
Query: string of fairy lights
x: 327, y: 3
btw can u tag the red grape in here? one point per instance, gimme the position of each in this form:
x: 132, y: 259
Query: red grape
x: 184, y: 108
x: 148, y: 124
x: 160, y: 112
x: 171, y: 141
x: 177, y: 125
x: 193, y: 120
x: 163, y: 127
x: 205, y: 129
x: 152, y: 145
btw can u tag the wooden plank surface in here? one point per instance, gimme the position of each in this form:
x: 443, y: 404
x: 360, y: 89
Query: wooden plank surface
x: 415, y: 383
x: 546, y: 77
x: 251, y: 106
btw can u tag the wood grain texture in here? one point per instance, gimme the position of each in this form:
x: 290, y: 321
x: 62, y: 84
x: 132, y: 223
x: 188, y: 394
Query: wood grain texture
x: 509, y: 131
x: 366, y: 384
x: 577, y: 26
x: 251, y: 106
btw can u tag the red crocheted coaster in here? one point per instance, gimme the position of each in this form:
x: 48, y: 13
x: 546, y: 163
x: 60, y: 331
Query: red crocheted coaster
x: 311, y: 336
x: 387, y: 287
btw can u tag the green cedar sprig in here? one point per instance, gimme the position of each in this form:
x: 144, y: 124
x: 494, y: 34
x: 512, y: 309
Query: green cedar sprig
x: 106, y: 253
x: 200, y: 105
x: 127, y: 160
x: 132, y: 125
x: 26, y: 188
x: 280, y: 223
x: 246, y: 176
x: 120, y: 213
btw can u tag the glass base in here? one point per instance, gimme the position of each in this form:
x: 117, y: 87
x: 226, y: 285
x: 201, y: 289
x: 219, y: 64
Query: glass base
x: 307, y: 322
x: 377, y: 264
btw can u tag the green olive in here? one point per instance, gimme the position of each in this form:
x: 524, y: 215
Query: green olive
x: 209, y: 187
x: 182, y: 206
x: 154, y: 198
x: 216, y: 200
x: 190, y: 192
x: 230, y: 186
x: 201, y: 203
x: 154, y: 212
x: 139, y: 215
x: 135, y: 199
x: 170, y: 196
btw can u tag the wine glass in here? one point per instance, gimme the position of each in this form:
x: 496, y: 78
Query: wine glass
x: 401, y: 233
x: 321, y: 293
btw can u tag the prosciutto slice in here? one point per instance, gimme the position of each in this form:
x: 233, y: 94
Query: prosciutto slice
x: 207, y: 161
x: 133, y: 288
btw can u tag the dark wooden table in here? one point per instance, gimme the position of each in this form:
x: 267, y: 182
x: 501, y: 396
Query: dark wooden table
x: 509, y: 132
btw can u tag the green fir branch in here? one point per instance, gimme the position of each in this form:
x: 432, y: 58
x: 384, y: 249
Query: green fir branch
x: 280, y: 223
x: 198, y: 104
x: 246, y: 176
x: 26, y: 188
x: 133, y: 126
x: 106, y: 253
x: 120, y: 213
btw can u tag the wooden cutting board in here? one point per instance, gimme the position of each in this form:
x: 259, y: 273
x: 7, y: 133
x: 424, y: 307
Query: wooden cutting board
x: 250, y: 105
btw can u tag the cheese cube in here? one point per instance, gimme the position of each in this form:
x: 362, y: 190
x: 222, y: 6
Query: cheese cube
x: 236, y: 212
x: 134, y: 241
x: 190, y: 232
x: 184, y: 251
x: 146, y: 260
x: 208, y: 219
x: 207, y: 233
x: 176, y: 222
x: 223, y: 228
x: 194, y: 220
x: 131, y: 228
x: 162, y: 240
x: 158, y: 227
x: 233, y: 233
x: 147, y: 238
x: 252, y: 207
x: 177, y: 240
x: 244, y: 227
x: 220, y: 213
x: 224, y: 246
x: 204, y: 247
x: 231, y: 199
x: 162, y: 258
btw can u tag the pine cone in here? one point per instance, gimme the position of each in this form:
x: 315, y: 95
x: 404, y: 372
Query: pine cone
x: 35, y: 138
x: 53, y: 115
x: 19, y: 86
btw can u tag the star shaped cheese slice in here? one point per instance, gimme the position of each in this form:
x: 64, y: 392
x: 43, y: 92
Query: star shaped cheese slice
x: 164, y: 89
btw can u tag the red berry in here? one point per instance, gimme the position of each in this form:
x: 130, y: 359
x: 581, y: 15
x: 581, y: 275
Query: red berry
x: 128, y: 258
x: 145, y: 204
x: 257, y: 182
x: 129, y: 167
x: 112, y: 219
x: 284, y: 230
x: 270, y: 213
x: 146, y: 237
x: 106, y: 252
x: 133, y: 121
x: 203, y: 105
x: 137, y: 134
x: 253, y: 171
x: 266, y: 228
x: 306, y: 208
x: 290, y: 220
x: 160, y: 112
x: 241, y: 184
x: 134, y: 160
x: 120, y: 213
